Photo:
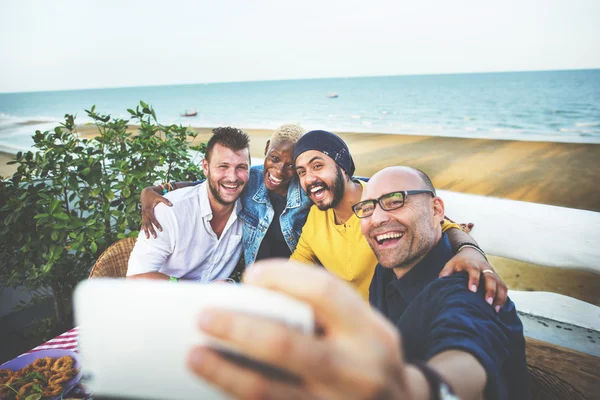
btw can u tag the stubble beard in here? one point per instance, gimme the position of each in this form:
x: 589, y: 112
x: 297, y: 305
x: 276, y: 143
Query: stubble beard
x: 214, y: 190
x: 418, y: 244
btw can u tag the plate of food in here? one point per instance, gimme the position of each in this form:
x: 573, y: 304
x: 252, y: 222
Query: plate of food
x: 41, y: 375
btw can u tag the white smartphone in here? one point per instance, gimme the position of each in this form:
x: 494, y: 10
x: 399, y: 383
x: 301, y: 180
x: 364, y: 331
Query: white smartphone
x: 135, y: 336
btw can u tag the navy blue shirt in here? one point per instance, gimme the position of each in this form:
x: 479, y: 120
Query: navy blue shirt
x: 438, y: 314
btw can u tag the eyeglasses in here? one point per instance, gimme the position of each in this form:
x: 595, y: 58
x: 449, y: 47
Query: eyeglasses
x: 388, y: 202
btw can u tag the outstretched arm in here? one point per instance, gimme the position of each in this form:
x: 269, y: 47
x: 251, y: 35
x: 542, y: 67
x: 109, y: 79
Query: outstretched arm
x: 343, y: 360
x: 150, y: 197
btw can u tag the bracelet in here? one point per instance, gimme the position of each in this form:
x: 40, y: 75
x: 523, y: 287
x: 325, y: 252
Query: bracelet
x: 162, y: 188
x: 173, y: 186
x: 472, y: 246
x: 173, y: 279
x: 439, y: 389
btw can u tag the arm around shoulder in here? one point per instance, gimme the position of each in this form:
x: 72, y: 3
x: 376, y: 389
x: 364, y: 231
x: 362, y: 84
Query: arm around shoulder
x: 471, y: 258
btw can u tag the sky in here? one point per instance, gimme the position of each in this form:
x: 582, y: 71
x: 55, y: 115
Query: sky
x: 62, y: 45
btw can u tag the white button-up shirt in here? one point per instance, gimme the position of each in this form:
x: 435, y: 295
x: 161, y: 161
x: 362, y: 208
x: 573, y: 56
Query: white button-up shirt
x: 188, y: 247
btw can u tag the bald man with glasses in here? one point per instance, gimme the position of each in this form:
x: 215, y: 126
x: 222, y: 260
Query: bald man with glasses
x: 431, y: 339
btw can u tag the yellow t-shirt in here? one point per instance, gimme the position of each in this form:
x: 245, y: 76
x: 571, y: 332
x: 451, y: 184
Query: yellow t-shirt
x: 341, y: 249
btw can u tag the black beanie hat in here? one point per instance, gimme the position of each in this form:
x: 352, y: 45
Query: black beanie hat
x: 327, y: 143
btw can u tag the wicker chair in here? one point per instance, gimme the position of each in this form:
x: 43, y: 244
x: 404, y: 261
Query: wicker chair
x: 112, y: 263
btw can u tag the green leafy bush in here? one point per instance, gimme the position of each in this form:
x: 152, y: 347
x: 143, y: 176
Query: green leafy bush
x: 72, y: 197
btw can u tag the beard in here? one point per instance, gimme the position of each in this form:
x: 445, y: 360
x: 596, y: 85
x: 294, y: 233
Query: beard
x: 337, y: 189
x: 213, y: 186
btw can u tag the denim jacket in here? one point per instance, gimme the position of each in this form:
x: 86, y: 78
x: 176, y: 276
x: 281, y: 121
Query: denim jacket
x: 257, y: 213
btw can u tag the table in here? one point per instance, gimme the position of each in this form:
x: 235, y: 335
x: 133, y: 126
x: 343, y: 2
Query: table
x: 66, y: 341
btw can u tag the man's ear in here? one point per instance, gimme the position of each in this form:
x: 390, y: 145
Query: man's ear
x: 205, y: 167
x: 267, y: 146
x: 438, y: 209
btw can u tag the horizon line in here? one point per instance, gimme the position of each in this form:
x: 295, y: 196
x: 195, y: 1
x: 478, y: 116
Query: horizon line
x: 299, y: 79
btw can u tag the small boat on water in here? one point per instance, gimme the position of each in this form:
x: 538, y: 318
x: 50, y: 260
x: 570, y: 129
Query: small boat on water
x: 189, y: 113
x: 333, y: 95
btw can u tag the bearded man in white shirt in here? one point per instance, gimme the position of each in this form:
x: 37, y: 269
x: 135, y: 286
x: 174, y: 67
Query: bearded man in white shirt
x: 201, y: 235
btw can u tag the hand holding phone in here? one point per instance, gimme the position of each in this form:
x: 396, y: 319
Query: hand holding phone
x: 135, y: 336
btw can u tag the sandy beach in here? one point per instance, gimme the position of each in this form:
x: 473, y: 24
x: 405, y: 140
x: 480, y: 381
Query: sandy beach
x: 7, y: 170
x: 540, y: 172
x: 560, y: 174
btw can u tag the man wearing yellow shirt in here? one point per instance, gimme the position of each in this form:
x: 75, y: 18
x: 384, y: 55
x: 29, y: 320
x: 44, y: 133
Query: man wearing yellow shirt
x: 332, y: 235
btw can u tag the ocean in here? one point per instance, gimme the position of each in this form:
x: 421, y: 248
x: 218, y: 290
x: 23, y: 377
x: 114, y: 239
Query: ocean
x: 557, y: 106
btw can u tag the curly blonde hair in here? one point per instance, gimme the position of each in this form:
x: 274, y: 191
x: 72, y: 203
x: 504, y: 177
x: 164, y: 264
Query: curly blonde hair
x: 289, y: 132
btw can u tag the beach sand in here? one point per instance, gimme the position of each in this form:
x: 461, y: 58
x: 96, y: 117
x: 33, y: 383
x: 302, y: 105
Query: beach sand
x: 560, y: 174
x: 7, y: 170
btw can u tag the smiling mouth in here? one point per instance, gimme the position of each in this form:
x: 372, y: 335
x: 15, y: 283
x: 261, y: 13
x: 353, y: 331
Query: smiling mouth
x: 230, y: 188
x: 274, y: 181
x: 318, y: 192
x: 388, y: 238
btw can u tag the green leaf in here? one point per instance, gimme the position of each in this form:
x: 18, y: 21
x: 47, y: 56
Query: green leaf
x: 37, y: 375
x: 85, y: 171
x: 47, y: 267
x: 54, y: 235
x: 55, y: 204
x: 61, y: 215
x: 58, y: 251
x: 93, y: 247
x: 39, y: 216
x: 90, y: 222
x: 73, y: 182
